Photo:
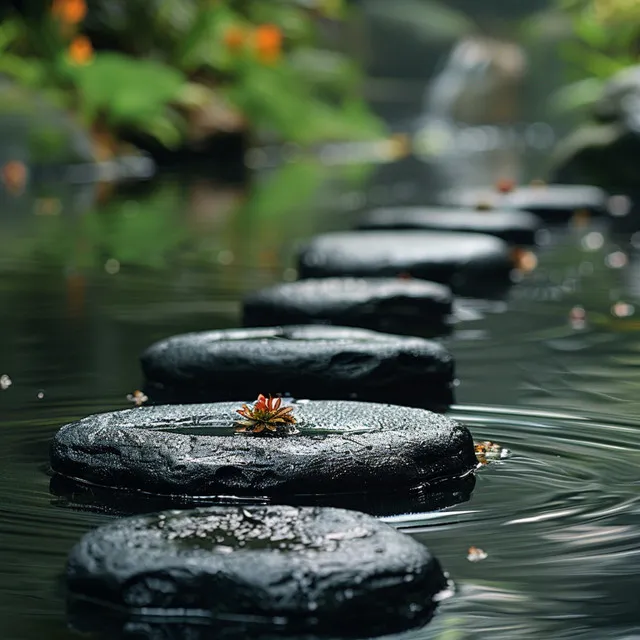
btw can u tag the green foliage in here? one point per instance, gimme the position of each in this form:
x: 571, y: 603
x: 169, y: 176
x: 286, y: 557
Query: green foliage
x: 601, y: 47
x: 131, y: 93
x: 606, y: 40
x: 169, y: 58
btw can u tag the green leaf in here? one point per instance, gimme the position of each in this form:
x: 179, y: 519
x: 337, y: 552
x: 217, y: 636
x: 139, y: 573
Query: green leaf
x: 128, y: 91
x: 28, y: 71
x: 577, y: 95
x: 204, y: 46
x: 9, y: 32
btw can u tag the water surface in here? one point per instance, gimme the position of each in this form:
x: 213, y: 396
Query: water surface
x: 551, y: 373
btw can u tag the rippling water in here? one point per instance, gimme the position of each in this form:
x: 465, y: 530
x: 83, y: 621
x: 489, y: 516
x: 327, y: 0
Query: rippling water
x: 84, y: 291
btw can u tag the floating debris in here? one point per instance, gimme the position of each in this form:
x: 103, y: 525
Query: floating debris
x: 505, y: 185
x: 524, y: 260
x: 137, y: 397
x: 578, y: 318
x: 14, y: 176
x: 616, y: 260
x: 487, y: 452
x: 475, y: 554
x: 5, y: 382
x: 267, y: 416
x: 580, y: 218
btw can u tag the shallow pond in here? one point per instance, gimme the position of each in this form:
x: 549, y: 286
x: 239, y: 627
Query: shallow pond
x: 551, y: 373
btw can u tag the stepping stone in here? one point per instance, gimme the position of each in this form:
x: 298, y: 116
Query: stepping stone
x: 314, y: 362
x: 194, y: 451
x: 295, y: 569
x: 471, y: 264
x: 515, y: 227
x: 552, y: 203
x: 387, y: 304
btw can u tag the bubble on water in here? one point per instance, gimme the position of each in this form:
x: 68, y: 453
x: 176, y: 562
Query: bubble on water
x: 225, y: 257
x: 290, y: 274
x: 40, y: 395
x: 543, y: 237
x: 616, y: 260
x: 619, y: 206
x: 578, y: 318
x: 586, y: 268
x: 622, y: 309
x: 593, y: 241
x: 112, y: 266
x: 5, y: 382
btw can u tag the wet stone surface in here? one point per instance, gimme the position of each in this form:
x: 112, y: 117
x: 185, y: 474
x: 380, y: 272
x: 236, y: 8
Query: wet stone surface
x: 268, y: 562
x: 516, y: 227
x: 471, y: 264
x: 316, y: 362
x: 551, y: 203
x: 191, y: 450
x: 385, y: 304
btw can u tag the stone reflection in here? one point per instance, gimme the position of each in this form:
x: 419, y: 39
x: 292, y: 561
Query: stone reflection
x: 70, y: 494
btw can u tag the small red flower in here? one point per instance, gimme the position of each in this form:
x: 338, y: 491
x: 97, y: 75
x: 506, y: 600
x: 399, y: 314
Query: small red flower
x: 267, y: 416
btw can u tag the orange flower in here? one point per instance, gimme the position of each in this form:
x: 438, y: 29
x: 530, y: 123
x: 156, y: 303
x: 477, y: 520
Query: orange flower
x: 69, y: 11
x: 268, y: 41
x: 234, y: 38
x: 81, y: 50
x: 505, y: 185
x: 14, y: 176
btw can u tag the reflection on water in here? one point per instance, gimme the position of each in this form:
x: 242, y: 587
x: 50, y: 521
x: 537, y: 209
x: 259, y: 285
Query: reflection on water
x: 559, y: 519
x: 90, y: 277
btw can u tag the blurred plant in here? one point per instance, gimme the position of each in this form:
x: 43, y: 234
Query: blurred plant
x: 179, y: 69
x: 607, y: 40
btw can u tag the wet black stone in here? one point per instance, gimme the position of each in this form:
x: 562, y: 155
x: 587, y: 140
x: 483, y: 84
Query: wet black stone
x: 551, y: 203
x: 385, y: 304
x: 191, y: 450
x: 316, y: 362
x: 516, y: 227
x: 471, y: 264
x: 297, y: 568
